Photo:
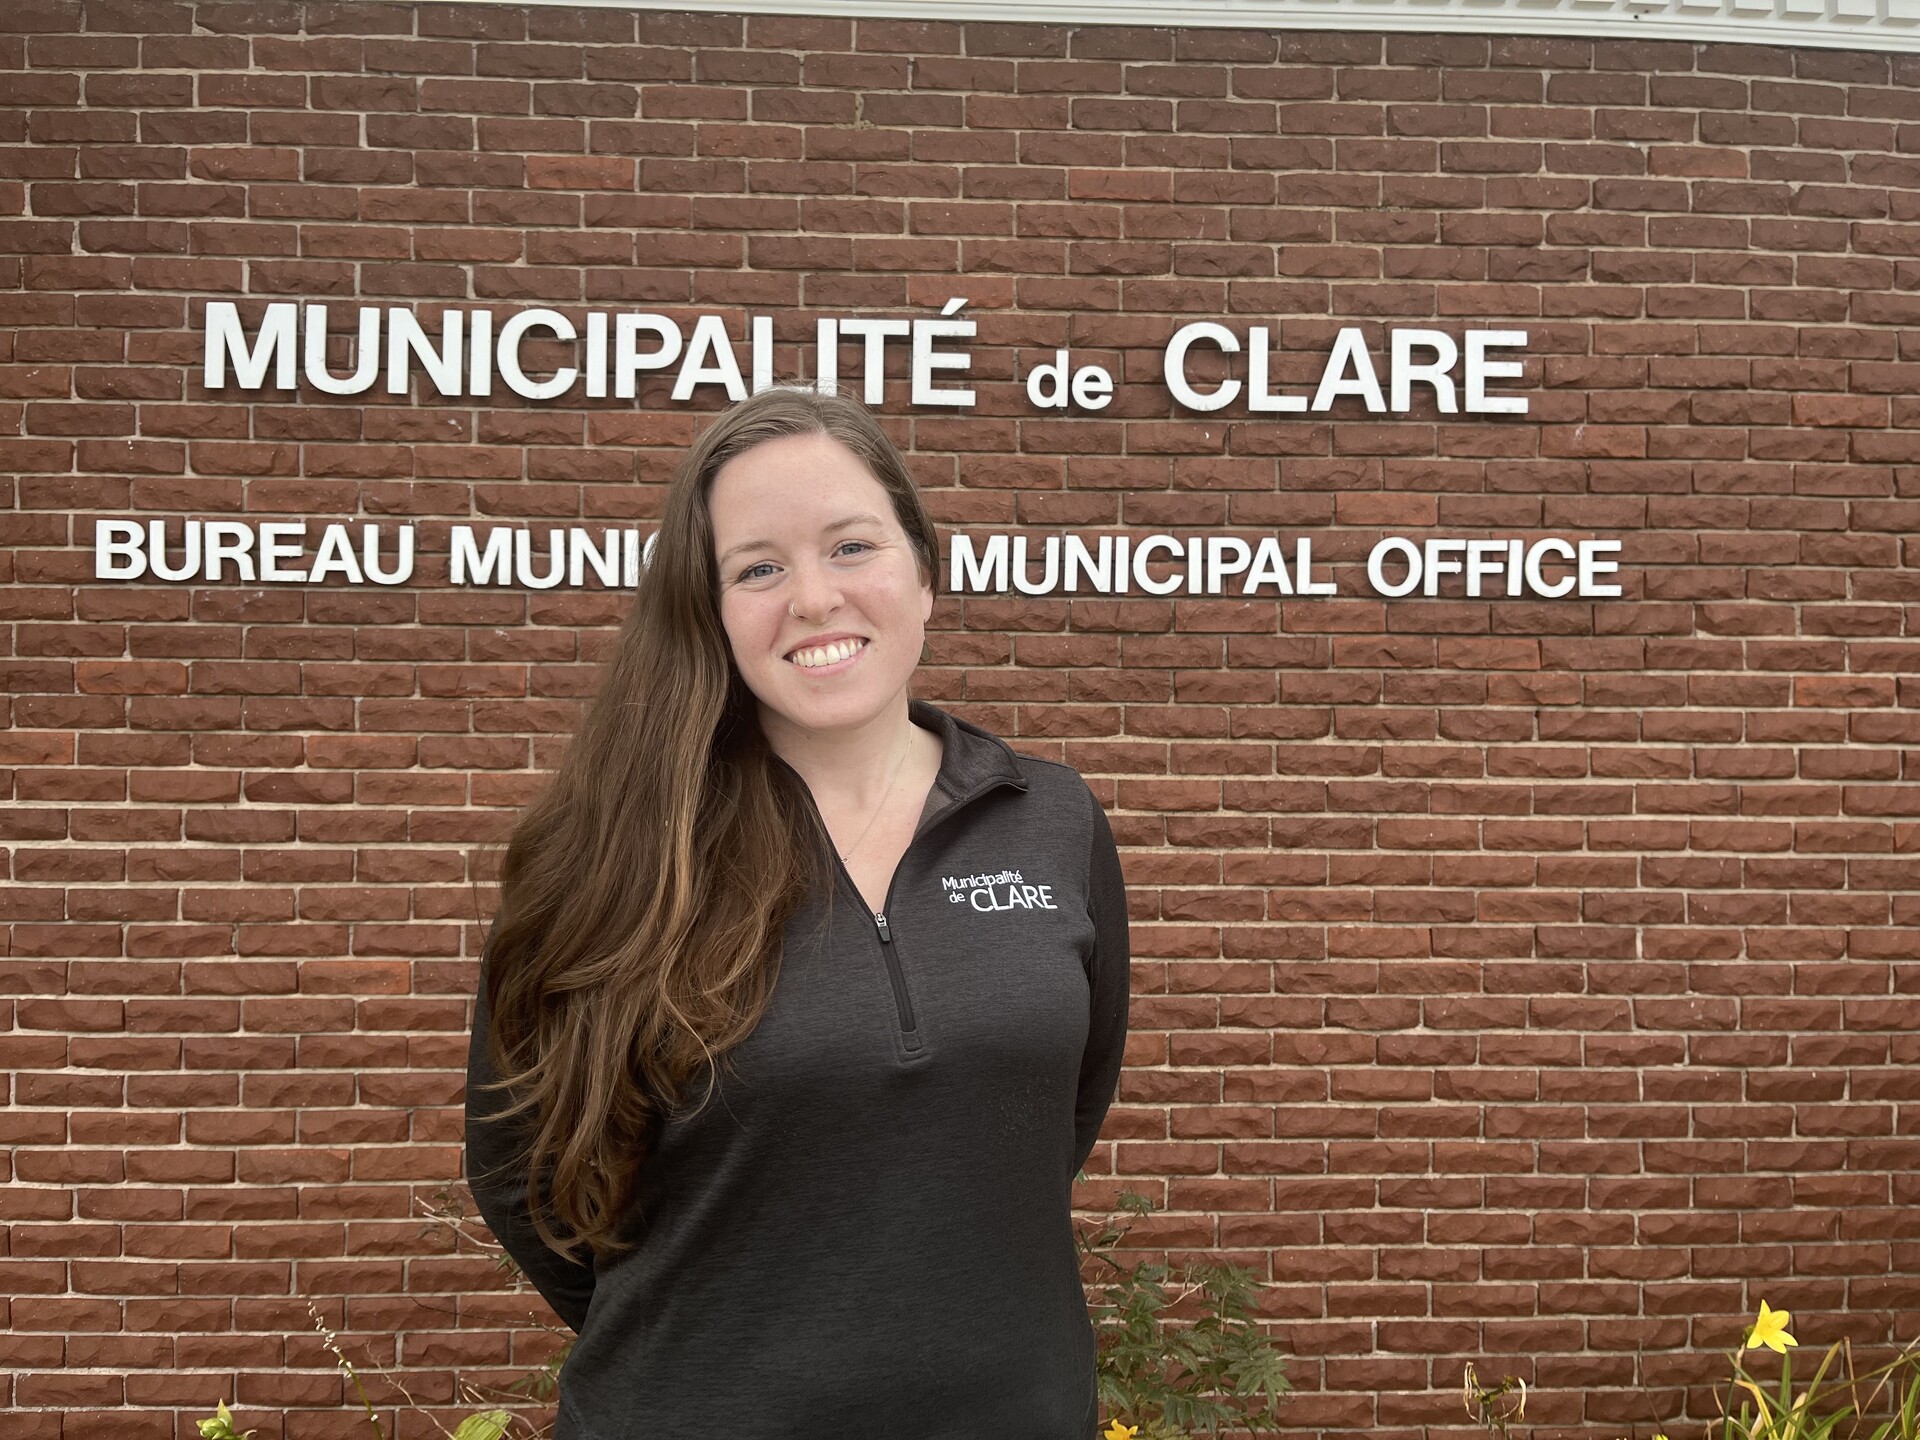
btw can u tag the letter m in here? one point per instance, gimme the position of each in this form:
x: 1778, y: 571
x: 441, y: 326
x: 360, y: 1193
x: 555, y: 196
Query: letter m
x: 469, y: 566
x: 275, y: 346
x: 985, y: 575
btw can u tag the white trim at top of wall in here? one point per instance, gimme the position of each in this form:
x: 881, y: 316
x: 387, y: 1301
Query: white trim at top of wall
x: 1830, y: 24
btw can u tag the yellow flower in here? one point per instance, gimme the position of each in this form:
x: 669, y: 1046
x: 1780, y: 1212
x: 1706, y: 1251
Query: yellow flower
x: 1659, y: 1437
x: 1117, y: 1431
x: 1771, y: 1330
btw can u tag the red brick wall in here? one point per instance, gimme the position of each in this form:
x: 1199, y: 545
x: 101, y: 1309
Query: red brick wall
x: 1523, y: 984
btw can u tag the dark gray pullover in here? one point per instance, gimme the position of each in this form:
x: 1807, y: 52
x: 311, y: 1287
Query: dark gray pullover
x: 866, y: 1233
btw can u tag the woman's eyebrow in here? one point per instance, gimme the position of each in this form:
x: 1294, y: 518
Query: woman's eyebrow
x: 846, y: 524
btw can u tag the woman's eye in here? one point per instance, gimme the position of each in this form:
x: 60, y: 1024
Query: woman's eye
x: 751, y: 572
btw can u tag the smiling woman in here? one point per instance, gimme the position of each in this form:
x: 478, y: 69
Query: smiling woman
x: 827, y: 623
x: 891, y: 948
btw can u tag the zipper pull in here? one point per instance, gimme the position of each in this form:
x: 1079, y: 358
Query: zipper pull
x: 886, y: 935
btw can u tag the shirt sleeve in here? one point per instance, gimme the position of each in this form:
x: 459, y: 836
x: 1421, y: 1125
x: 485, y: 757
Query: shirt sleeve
x: 1108, y: 975
x: 495, y: 1155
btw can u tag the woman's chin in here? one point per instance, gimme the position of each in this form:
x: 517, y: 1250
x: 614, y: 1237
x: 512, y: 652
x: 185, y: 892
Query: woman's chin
x: 841, y: 707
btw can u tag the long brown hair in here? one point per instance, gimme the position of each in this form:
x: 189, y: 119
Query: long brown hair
x: 644, y: 893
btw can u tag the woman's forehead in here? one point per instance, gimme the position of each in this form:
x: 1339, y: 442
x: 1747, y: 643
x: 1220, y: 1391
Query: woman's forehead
x: 769, y: 499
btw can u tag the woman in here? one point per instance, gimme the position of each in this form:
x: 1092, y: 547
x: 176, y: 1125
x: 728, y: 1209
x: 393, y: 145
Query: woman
x: 796, y: 1128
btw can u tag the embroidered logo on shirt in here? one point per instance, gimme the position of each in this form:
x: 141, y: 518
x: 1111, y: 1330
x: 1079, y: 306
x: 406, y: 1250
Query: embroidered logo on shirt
x: 1006, y: 890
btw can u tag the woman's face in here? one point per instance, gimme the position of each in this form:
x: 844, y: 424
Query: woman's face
x: 821, y: 596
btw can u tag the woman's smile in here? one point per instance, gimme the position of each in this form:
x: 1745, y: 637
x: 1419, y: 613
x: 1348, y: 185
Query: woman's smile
x: 829, y: 659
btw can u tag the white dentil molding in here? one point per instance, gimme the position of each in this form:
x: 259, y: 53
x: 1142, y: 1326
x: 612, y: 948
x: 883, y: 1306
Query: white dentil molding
x: 1829, y: 24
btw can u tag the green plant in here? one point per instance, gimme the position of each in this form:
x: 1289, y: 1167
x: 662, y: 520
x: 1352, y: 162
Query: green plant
x: 1782, y: 1416
x: 1787, y: 1417
x: 219, y: 1426
x: 1170, y: 1381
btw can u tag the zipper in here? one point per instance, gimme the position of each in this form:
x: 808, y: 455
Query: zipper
x: 909, y: 1027
x: 889, y: 952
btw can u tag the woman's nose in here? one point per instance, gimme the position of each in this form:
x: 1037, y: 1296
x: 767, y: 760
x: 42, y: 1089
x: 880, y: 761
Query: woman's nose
x: 814, y: 591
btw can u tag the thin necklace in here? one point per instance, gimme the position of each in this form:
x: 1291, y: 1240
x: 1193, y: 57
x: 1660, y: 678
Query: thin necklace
x: 848, y: 855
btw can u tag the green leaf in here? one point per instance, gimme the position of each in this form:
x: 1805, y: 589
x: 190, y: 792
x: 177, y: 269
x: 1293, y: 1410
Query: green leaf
x: 219, y: 1425
x: 488, y: 1425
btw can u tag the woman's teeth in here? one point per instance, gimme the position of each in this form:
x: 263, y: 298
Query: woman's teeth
x: 826, y: 654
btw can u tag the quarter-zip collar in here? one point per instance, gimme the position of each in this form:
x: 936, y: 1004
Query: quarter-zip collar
x: 972, y: 760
